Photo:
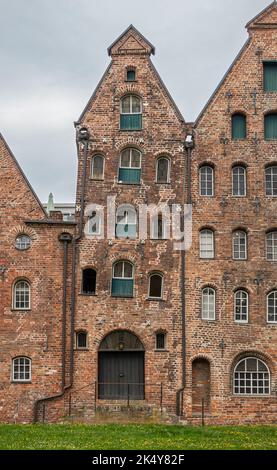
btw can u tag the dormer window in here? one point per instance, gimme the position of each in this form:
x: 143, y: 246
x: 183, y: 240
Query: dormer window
x: 131, y: 75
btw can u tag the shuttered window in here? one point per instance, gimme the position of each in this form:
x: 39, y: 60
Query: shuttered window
x: 131, y: 113
x: 238, y: 127
x: 123, y: 279
x: 270, y: 125
x: 270, y: 76
x: 130, y: 167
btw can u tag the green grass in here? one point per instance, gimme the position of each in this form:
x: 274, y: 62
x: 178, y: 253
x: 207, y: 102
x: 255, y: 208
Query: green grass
x: 136, y: 437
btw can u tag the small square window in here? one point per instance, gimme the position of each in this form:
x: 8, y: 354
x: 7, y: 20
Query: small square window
x: 131, y: 75
x: 81, y: 340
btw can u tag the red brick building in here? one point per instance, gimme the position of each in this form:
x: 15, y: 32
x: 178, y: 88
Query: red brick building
x: 99, y: 318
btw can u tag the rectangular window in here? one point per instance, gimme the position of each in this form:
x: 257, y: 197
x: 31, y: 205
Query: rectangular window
x: 160, y: 341
x: 131, y: 122
x: 122, y: 287
x: 129, y: 175
x: 270, y: 76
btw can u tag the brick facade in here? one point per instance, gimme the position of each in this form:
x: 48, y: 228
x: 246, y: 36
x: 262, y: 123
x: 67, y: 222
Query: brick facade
x: 199, y: 356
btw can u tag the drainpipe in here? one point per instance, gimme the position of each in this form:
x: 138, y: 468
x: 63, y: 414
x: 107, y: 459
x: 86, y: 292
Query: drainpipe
x: 82, y: 137
x: 189, y: 145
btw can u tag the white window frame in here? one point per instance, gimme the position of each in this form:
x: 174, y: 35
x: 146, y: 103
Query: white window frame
x: 162, y: 286
x: 246, y: 245
x: 239, y: 291
x: 98, y: 225
x: 124, y: 262
x: 201, y: 250
x: 200, y: 180
x: 18, y: 358
x: 244, y: 379
x: 92, y: 167
x: 128, y: 209
x: 14, y: 295
x: 25, y: 248
x: 271, y: 168
x: 213, y: 317
x: 130, y: 167
x: 239, y: 167
x: 131, y: 105
x: 274, y: 232
x: 270, y: 322
x: 168, y: 171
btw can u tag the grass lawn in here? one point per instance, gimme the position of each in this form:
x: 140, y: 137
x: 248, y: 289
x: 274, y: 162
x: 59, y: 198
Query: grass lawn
x: 136, y: 437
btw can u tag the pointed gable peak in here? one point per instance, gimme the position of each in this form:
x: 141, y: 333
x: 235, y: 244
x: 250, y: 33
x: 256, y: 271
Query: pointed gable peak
x: 7, y: 151
x: 131, y: 42
x: 265, y: 19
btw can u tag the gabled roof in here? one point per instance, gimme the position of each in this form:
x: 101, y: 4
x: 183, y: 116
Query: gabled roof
x: 221, y: 82
x: 129, y: 32
x: 25, y: 179
x: 266, y: 18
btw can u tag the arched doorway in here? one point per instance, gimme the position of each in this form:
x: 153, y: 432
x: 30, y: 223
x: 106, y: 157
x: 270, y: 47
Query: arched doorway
x: 201, y: 384
x: 121, y: 367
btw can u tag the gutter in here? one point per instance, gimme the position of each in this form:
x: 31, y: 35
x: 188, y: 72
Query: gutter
x: 180, y: 393
x: 82, y: 137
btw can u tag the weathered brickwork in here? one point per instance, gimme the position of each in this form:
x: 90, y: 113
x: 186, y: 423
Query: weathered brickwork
x: 194, y: 371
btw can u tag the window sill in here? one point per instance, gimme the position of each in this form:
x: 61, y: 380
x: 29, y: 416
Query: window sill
x: 87, y: 295
x: 22, y: 310
x: 122, y: 296
x: 155, y: 299
x: 81, y: 349
x: 96, y: 179
x: 122, y: 183
x: 131, y: 130
x: 161, y: 350
x: 23, y: 382
x: 251, y: 396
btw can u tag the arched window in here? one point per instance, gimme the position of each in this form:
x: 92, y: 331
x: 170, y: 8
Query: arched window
x: 251, y: 377
x: 208, y: 303
x: 23, y: 242
x: 271, y: 246
x: 155, y: 286
x: 160, y: 341
x: 272, y: 307
x: 163, y: 175
x: 238, y: 126
x: 158, y: 227
x: 206, y: 244
x: 22, y: 369
x: 81, y: 340
x: 130, y: 166
x: 97, y: 167
x: 239, y: 181
x: 89, y: 281
x: 22, y: 295
x: 271, y: 180
x: 270, y: 126
x: 131, y: 113
x: 123, y: 279
x: 126, y: 222
x: 94, y: 226
x: 239, y: 245
x: 241, y: 306
x: 206, y: 181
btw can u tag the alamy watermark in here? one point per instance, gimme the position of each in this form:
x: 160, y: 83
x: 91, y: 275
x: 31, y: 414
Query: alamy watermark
x: 157, y: 222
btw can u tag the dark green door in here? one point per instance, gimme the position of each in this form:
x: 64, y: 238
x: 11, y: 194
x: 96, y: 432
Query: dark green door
x: 121, y: 374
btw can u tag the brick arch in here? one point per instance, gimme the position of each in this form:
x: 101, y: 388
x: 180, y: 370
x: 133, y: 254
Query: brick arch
x: 24, y: 230
x: 129, y: 89
x: 250, y: 353
x: 123, y: 330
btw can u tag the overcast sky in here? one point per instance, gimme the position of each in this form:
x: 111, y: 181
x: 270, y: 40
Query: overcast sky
x: 54, y: 52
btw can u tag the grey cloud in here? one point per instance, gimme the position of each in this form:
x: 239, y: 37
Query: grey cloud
x: 53, y: 53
